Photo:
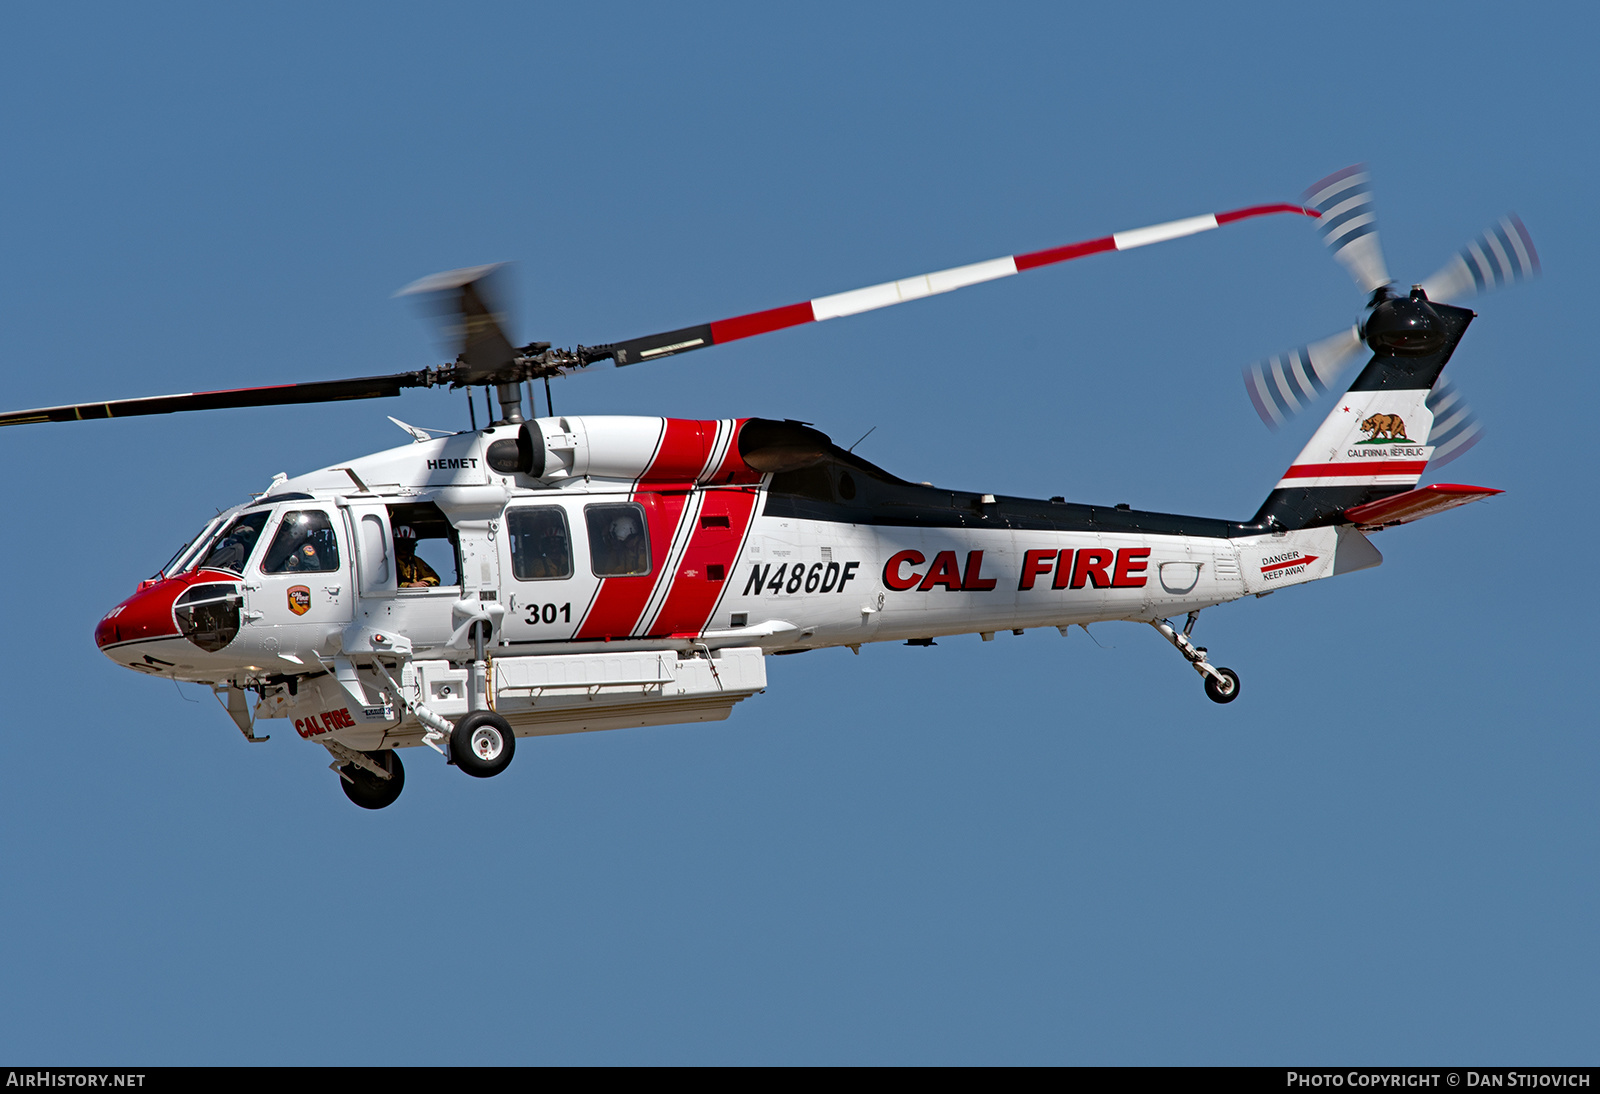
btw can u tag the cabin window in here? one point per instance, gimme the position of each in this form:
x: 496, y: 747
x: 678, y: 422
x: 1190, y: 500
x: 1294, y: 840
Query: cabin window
x: 619, y: 544
x: 541, y: 547
x: 305, y: 544
x: 426, y: 547
x: 234, y: 545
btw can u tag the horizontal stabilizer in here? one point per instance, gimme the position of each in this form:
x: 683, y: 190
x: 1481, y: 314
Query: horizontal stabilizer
x: 1416, y: 504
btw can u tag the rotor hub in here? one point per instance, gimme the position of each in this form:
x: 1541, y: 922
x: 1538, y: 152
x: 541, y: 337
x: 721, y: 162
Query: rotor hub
x: 1404, y: 326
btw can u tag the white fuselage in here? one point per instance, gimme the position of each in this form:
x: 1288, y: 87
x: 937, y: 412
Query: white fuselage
x: 636, y: 580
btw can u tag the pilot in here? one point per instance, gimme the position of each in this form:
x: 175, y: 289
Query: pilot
x: 304, y: 558
x: 411, y: 570
x: 235, y: 546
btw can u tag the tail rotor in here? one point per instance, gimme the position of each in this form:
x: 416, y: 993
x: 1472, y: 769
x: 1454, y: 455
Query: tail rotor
x: 1283, y: 385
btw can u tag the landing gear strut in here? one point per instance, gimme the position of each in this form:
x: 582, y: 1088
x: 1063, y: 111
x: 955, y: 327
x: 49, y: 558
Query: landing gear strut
x: 482, y: 743
x: 1222, y: 685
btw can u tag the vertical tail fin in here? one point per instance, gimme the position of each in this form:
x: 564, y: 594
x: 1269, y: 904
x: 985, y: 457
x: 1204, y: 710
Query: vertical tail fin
x: 1375, y: 442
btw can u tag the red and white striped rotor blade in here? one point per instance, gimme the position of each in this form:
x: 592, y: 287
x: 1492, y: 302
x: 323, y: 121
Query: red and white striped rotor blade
x: 655, y: 346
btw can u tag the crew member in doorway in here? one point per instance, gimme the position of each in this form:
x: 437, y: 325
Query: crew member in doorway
x: 411, y: 570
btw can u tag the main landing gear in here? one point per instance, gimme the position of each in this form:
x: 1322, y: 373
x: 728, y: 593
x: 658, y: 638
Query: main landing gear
x: 1222, y: 685
x: 482, y: 744
x: 373, y: 780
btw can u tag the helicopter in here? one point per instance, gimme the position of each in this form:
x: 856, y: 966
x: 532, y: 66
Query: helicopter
x: 573, y: 573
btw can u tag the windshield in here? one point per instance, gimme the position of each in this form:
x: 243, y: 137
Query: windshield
x: 235, y: 544
x: 187, y: 553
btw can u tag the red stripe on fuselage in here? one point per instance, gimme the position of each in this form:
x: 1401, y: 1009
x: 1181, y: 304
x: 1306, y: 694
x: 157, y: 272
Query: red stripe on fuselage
x: 684, y: 444
x: 733, y: 469
x: 682, y: 454
x: 615, y: 613
x: 713, y: 543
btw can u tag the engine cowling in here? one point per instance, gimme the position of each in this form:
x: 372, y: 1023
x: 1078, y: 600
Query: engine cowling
x: 632, y: 449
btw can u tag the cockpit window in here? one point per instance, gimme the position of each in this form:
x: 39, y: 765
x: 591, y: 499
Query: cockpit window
x: 305, y: 544
x: 233, y: 547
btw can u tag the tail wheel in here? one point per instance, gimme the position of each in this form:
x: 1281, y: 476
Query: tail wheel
x: 1225, y: 690
x: 482, y: 744
x: 366, y: 789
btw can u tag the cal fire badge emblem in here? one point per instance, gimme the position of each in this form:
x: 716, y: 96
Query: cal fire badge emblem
x: 299, y: 599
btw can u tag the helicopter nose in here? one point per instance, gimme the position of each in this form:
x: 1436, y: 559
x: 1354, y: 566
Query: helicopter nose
x: 145, y: 615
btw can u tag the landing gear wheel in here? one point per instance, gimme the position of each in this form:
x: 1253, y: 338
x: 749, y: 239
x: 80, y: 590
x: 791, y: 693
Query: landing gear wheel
x: 1224, y: 691
x: 366, y: 789
x: 482, y: 744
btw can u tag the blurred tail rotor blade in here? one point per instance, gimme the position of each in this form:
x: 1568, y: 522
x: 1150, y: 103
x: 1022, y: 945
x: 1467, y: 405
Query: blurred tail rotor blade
x: 1282, y: 386
x: 1455, y: 427
x: 1501, y: 256
x: 471, y: 304
x: 1348, y: 224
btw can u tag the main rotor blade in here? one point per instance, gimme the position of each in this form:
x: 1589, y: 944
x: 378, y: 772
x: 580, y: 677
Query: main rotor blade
x: 1501, y: 256
x: 655, y: 346
x: 1349, y: 224
x: 322, y: 391
x: 1282, y: 386
x: 471, y: 303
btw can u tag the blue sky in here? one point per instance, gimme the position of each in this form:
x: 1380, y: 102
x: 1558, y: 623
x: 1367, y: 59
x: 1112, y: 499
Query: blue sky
x: 1034, y: 850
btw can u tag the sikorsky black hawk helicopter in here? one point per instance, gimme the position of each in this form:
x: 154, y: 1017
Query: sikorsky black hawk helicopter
x: 572, y: 573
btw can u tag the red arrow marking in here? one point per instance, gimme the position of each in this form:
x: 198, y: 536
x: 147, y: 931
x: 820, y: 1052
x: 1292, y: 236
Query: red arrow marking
x: 1301, y: 561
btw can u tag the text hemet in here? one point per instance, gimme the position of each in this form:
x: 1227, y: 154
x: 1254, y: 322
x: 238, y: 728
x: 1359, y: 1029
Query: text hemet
x: 465, y: 463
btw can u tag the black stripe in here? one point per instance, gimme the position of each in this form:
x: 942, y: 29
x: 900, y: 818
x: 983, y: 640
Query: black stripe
x: 324, y: 391
x: 1314, y: 506
x: 1474, y: 268
x: 1349, y: 185
x: 1331, y: 227
x: 1291, y: 365
x: 1274, y: 388
x: 881, y: 500
x: 1513, y: 268
x: 1311, y: 372
x: 654, y: 346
